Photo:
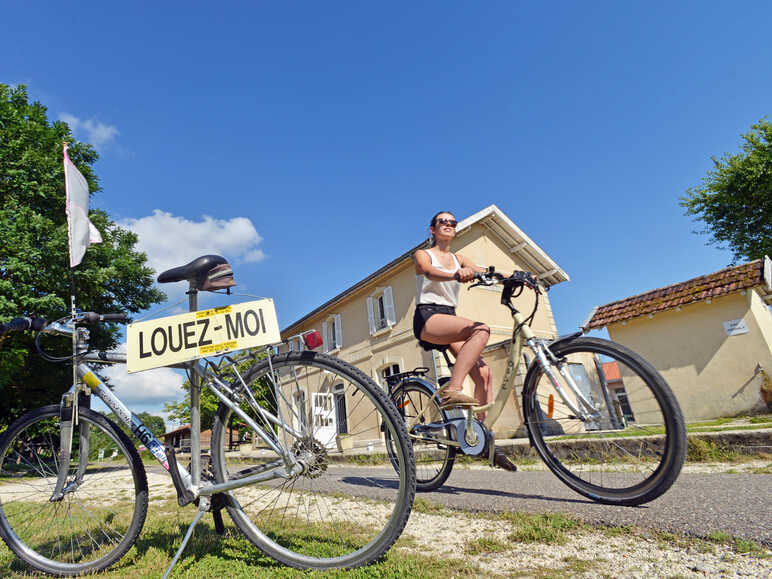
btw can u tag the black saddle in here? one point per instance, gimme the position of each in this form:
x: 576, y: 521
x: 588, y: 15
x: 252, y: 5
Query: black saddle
x: 207, y: 273
x: 428, y: 346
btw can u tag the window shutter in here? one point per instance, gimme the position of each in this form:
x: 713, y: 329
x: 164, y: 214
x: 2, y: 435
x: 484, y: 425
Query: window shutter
x: 325, y: 338
x: 371, y: 315
x: 388, y: 298
x: 338, y: 331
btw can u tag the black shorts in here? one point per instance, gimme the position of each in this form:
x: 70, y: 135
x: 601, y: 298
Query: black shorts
x: 425, y: 311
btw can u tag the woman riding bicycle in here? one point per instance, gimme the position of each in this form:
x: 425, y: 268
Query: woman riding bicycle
x: 439, y: 275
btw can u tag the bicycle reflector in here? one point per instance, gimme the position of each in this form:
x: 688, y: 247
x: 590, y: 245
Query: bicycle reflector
x: 313, y: 339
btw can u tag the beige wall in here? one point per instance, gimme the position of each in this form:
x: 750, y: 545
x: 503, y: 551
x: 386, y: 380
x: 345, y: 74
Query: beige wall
x: 397, y: 345
x: 711, y: 374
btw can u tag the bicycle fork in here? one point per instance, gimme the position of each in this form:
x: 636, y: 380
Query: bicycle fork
x: 68, y: 418
x: 547, y: 361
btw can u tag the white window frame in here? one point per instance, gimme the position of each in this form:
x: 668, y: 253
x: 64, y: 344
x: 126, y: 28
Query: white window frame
x: 377, y: 323
x: 332, y: 333
x: 380, y: 379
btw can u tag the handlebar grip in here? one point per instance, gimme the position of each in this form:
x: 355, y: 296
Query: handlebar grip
x: 114, y: 317
x: 22, y: 325
x: 93, y: 317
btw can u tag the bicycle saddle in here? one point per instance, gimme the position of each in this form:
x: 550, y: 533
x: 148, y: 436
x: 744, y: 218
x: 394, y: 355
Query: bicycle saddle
x: 208, y: 273
x: 428, y: 346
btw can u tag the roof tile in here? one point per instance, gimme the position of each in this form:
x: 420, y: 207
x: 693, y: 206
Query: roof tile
x: 720, y: 283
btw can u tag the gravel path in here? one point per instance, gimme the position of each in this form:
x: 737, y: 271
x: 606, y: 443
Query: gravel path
x: 581, y: 554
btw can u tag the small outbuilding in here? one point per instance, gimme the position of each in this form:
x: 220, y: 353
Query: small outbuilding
x: 710, y: 337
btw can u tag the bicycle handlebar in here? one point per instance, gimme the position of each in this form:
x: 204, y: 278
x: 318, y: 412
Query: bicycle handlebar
x: 518, y: 278
x: 22, y: 325
x: 38, y: 324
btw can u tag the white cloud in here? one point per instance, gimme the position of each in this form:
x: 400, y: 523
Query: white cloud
x: 170, y: 241
x: 148, y: 388
x: 96, y: 133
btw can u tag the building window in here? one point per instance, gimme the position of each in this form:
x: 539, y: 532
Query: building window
x: 332, y: 333
x: 386, y: 371
x: 380, y: 310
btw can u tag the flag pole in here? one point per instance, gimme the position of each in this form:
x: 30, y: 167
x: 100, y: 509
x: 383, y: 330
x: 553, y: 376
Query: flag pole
x: 72, y: 285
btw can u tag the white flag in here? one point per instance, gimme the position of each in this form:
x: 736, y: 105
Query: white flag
x: 81, y: 231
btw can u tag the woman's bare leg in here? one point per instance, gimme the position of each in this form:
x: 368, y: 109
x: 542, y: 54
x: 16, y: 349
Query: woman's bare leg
x: 482, y: 376
x: 467, y: 340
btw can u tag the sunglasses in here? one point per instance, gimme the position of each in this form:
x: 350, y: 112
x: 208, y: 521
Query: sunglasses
x: 448, y: 222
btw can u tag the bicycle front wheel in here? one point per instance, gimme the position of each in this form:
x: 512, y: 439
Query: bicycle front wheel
x: 104, y: 504
x: 348, y: 505
x: 424, y: 419
x: 632, y: 448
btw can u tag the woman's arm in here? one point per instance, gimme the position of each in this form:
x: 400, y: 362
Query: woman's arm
x: 423, y: 266
x: 468, y: 263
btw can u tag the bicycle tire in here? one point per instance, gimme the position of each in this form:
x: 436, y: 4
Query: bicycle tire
x: 93, y: 512
x: 411, y: 398
x: 322, y: 518
x: 632, y: 454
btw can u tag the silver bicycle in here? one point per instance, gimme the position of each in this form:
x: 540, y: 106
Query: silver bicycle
x: 74, y: 491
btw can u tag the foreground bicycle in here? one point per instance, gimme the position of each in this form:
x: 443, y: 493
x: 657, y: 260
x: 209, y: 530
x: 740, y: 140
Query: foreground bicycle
x: 600, y: 417
x: 74, y: 491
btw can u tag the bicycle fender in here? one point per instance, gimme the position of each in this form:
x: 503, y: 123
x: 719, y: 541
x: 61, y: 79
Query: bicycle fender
x: 430, y: 390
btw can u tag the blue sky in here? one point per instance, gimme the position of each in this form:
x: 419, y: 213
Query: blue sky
x: 311, y: 142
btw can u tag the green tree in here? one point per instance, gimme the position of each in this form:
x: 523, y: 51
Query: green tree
x: 262, y: 391
x: 735, y: 197
x: 34, y: 264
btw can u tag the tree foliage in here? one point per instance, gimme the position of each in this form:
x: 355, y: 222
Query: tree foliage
x: 261, y: 390
x: 735, y: 197
x: 34, y: 265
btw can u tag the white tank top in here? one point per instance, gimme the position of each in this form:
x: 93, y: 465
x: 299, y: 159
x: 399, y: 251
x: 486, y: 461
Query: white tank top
x: 443, y: 293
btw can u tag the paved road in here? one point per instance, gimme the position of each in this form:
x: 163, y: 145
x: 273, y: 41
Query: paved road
x: 697, y: 504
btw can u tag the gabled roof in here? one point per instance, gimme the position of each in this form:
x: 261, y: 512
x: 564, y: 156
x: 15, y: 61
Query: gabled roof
x: 720, y: 283
x: 522, y: 246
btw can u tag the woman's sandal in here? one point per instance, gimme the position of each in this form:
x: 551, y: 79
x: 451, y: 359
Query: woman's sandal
x: 452, y: 398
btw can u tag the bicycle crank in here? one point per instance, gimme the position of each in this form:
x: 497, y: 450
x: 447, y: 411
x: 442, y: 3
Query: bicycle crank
x: 471, y: 441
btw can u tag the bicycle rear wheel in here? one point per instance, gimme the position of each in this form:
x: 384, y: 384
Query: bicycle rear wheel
x: 102, y: 511
x: 347, y: 507
x: 634, y: 448
x: 434, y: 460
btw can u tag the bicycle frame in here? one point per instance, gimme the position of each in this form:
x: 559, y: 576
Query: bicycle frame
x: 543, y: 357
x: 88, y: 383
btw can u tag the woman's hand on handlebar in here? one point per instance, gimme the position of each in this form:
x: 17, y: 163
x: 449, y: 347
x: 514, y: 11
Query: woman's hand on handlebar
x: 466, y: 274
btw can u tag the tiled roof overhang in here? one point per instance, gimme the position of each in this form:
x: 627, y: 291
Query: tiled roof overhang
x: 721, y: 283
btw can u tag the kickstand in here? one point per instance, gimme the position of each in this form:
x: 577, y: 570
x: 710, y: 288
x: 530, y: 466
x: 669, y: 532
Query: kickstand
x: 203, y: 506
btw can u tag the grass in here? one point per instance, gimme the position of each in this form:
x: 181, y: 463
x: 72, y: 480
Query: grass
x: 233, y: 556
x: 485, y: 545
x: 700, y: 450
x: 547, y: 528
x: 421, y: 505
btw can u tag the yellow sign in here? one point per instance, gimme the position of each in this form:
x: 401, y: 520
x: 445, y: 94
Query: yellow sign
x: 175, y: 339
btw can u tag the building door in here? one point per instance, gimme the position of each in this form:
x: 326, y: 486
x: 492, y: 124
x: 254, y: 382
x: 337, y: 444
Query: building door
x: 324, y: 419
